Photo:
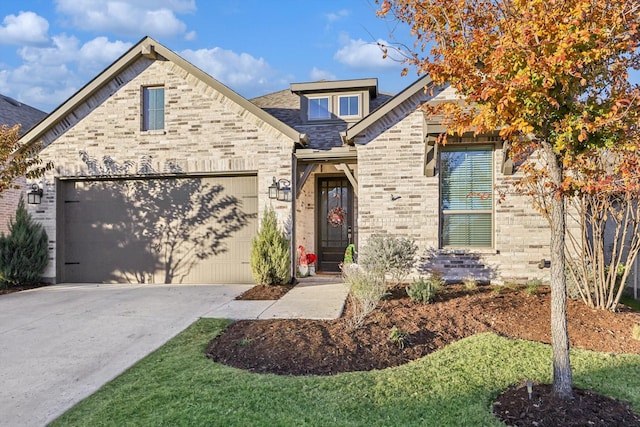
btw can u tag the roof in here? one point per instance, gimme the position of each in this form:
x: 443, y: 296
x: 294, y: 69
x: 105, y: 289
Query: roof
x: 13, y: 112
x: 370, y: 84
x: 285, y: 106
x: 150, y: 48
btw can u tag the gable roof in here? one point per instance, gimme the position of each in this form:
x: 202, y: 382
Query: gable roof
x: 353, y: 130
x: 150, y: 48
x: 13, y: 112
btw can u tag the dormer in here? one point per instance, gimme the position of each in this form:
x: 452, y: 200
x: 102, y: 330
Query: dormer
x: 335, y: 101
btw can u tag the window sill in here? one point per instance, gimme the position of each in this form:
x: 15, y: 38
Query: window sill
x: 153, y: 132
x: 470, y: 250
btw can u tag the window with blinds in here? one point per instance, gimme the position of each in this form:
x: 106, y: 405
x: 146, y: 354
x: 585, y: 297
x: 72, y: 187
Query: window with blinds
x: 466, y: 191
x: 152, y: 108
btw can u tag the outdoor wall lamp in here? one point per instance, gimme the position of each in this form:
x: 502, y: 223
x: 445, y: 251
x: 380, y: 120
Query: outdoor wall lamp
x: 34, y: 196
x: 280, y: 190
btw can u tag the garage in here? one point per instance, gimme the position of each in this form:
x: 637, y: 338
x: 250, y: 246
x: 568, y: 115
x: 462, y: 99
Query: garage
x: 195, y: 229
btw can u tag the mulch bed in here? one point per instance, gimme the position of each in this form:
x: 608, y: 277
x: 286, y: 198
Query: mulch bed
x: 311, y: 347
x: 264, y: 292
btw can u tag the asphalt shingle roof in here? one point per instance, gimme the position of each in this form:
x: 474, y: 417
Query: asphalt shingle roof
x: 284, y: 105
x: 13, y: 112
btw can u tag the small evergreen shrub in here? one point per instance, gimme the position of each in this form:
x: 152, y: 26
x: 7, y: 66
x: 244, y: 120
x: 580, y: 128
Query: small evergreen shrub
x: 635, y: 333
x: 270, y: 253
x: 392, y: 255
x: 424, y: 290
x: 23, y: 252
x: 366, y: 289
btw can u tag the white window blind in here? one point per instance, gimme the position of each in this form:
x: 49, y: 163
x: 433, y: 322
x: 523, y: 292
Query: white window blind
x: 466, y: 180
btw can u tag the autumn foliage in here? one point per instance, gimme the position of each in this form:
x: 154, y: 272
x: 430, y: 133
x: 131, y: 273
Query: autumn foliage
x: 551, y: 77
x: 17, y: 160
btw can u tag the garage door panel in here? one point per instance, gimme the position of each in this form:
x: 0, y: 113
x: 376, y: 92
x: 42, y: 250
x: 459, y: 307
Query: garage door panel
x: 178, y: 230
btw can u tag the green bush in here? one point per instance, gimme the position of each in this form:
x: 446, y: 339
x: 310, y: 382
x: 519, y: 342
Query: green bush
x: 385, y: 254
x: 366, y: 290
x: 424, y: 290
x: 270, y: 253
x: 23, y: 253
x: 399, y: 337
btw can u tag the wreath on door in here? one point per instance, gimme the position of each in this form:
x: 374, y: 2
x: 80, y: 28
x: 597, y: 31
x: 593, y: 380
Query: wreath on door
x: 335, y: 217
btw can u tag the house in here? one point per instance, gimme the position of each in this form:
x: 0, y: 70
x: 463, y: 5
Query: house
x: 162, y: 174
x: 13, y: 112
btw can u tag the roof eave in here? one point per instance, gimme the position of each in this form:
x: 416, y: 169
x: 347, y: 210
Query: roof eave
x: 353, y: 130
x: 150, y: 48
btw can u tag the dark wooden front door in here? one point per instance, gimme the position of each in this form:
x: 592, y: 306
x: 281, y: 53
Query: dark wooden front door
x: 334, y: 235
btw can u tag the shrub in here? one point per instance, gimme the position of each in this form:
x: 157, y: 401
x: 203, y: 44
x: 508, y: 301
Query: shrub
x: 389, y: 254
x: 470, y: 284
x: 635, y: 333
x: 424, y: 290
x: 533, y: 286
x: 399, y: 337
x: 23, y: 253
x: 366, y: 289
x: 270, y: 254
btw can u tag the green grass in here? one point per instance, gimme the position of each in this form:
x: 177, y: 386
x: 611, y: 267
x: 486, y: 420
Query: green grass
x: 630, y: 302
x: 178, y: 386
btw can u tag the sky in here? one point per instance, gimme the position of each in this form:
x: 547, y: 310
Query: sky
x: 51, y: 48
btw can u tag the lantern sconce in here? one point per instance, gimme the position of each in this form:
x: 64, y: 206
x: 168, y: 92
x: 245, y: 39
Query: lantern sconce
x: 280, y: 190
x: 34, y: 196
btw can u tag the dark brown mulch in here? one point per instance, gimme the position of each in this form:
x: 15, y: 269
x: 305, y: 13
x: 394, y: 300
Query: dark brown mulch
x: 306, y: 347
x: 514, y: 408
x: 264, y: 292
x: 4, y: 291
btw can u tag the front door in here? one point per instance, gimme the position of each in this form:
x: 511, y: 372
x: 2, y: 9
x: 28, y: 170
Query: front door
x: 335, y: 221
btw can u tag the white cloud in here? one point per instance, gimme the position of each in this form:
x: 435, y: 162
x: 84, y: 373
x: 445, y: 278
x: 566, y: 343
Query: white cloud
x: 96, y: 54
x: 26, y: 28
x: 317, y: 74
x: 362, y: 55
x: 49, y: 75
x: 240, y: 71
x: 128, y: 17
x: 336, y: 16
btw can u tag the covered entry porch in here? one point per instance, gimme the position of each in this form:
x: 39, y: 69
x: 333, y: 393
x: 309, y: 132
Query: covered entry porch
x: 325, y: 205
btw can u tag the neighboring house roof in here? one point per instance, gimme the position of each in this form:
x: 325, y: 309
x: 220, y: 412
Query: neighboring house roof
x: 150, y: 48
x: 13, y: 112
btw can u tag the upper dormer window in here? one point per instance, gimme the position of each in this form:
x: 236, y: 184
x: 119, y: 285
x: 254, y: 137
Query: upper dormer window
x: 349, y: 106
x: 319, y: 108
x: 153, y: 108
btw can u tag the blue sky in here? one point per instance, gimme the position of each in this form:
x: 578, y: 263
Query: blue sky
x: 49, y: 49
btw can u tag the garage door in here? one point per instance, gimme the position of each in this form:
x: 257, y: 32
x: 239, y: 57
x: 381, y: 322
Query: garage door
x: 161, y: 230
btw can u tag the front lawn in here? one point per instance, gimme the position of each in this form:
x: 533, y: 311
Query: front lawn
x: 178, y: 386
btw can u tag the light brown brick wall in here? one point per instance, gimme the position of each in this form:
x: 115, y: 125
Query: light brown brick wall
x: 392, y: 163
x: 205, y: 132
x: 9, y: 203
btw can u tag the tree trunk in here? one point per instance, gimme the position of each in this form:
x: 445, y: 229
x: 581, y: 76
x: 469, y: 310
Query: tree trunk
x: 562, y: 380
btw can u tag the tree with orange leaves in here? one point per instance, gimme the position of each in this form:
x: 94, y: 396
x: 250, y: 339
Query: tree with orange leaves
x: 552, y: 77
x: 17, y: 160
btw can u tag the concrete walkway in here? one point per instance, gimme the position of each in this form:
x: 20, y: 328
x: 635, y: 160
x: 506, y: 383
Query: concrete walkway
x: 317, y: 297
x: 61, y: 343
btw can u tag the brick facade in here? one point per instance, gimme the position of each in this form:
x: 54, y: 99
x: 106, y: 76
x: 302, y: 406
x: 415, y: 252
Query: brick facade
x: 9, y: 203
x: 391, y: 161
x: 205, y: 133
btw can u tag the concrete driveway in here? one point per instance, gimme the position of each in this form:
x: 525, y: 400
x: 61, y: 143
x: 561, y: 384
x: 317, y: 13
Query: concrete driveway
x: 60, y: 343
